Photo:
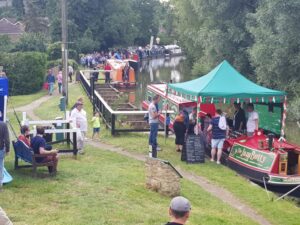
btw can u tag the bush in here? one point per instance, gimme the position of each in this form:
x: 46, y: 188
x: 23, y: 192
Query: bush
x: 25, y: 71
x: 32, y: 42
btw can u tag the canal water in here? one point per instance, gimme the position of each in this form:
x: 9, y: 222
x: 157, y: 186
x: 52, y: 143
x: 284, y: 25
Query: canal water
x: 178, y: 69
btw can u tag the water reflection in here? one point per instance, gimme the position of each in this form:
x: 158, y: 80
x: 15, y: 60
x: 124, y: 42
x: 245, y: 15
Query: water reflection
x: 158, y: 71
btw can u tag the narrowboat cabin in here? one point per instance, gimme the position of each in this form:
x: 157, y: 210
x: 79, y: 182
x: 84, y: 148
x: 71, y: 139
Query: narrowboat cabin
x: 173, y: 103
x: 118, y: 77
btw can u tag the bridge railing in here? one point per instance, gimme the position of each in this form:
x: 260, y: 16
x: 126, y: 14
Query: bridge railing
x: 116, y: 121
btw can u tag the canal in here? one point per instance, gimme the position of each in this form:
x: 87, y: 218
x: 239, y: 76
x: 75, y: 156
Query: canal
x: 178, y: 70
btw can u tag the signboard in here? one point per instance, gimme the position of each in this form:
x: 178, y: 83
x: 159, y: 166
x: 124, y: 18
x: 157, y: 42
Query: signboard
x: 194, y: 150
x: 252, y: 157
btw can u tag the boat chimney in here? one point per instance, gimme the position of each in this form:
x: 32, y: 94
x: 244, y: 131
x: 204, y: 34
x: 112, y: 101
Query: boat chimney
x: 270, y: 141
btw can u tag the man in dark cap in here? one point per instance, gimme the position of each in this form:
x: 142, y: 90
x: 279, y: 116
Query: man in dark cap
x: 179, y: 211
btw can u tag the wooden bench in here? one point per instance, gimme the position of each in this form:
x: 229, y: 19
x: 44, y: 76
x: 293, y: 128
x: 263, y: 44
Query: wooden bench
x: 25, y: 153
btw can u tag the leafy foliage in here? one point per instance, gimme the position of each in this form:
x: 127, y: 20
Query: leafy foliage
x: 5, y: 44
x: 25, y: 70
x: 29, y: 42
x: 214, y: 30
x: 275, y: 53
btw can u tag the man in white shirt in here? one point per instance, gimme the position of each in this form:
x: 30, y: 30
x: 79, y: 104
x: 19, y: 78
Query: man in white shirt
x: 79, y: 120
x: 154, y: 114
x: 252, y: 123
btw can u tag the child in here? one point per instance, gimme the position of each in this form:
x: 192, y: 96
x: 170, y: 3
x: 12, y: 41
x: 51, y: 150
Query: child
x: 96, y: 125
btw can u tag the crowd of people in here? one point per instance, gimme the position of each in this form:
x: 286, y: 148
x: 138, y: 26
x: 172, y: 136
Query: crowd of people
x: 214, y: 130
x: 94, y: 59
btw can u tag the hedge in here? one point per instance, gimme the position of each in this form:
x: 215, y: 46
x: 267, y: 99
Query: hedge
x: 25, y: 71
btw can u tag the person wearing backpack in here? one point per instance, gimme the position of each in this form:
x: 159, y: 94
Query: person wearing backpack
x: 218, y: 127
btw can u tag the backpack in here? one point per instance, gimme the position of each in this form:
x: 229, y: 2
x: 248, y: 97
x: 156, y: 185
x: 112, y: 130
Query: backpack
x: 222, y: 123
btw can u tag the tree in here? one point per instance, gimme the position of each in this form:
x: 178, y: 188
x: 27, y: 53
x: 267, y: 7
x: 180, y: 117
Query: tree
x: 276, y: 51
x: 212, y: 31
x: 35, y: 20
x: 147, y: 21
x: 18, y: 6
x: 31, y: 42
x: 87, y: 43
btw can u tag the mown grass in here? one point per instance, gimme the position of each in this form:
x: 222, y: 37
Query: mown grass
x: 102, y: 188
x: 281, y: 212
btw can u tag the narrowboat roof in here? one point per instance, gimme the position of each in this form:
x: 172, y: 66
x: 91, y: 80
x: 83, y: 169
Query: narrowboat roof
x: 161, y: 90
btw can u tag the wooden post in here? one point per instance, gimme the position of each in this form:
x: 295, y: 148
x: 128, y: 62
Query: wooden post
x: 113, y: 122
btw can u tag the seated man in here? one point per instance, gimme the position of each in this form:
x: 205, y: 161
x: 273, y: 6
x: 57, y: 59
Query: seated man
x: 38, y: 144
x: 25, y: 135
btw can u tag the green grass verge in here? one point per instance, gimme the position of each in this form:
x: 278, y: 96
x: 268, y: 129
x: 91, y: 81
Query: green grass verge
x: 282, y: 212
x: 21, y: 100
x: 102, y: 188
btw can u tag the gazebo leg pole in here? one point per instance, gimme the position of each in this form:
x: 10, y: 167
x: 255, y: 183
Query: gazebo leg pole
x: 283, y: 118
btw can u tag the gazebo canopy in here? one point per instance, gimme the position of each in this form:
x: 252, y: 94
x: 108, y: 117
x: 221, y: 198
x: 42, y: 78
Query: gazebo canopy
x: 225, y: 84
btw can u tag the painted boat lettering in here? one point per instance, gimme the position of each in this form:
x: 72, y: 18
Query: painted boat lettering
x: 288, y: 180
x: 252, y: 157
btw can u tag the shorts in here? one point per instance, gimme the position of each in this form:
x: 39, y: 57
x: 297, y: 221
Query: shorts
x: 217, y: 143
x: 96, y: 130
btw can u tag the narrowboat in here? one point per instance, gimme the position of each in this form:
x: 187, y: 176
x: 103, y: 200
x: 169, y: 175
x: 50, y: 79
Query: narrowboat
x: 116, y: 74
x: 265, y: 157
x: 173, y: 103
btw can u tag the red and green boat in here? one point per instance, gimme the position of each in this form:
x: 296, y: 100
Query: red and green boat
x: 173, y: 103
x: 261, y: 158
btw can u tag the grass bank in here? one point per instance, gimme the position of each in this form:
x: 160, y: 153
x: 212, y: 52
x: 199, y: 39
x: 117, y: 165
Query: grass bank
x: 282, y: 212
x: 102, y: 188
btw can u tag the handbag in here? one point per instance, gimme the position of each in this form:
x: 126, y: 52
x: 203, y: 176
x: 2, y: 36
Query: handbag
x: 45, y: 86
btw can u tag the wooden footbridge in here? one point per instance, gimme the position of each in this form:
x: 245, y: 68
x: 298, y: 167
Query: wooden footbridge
x: 117, y: 113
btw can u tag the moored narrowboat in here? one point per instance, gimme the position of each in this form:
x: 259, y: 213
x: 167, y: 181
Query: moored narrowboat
x: 264, y: 159
x: 120, y: 77
x: 174, y: 103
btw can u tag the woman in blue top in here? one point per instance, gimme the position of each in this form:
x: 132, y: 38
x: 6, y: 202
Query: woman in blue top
x: 218, y: 136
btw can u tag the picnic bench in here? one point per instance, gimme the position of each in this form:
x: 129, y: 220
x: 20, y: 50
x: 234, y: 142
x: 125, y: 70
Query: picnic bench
x: 25, y: 153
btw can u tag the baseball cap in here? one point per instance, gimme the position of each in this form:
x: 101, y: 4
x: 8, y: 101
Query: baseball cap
x: 180, y: 204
